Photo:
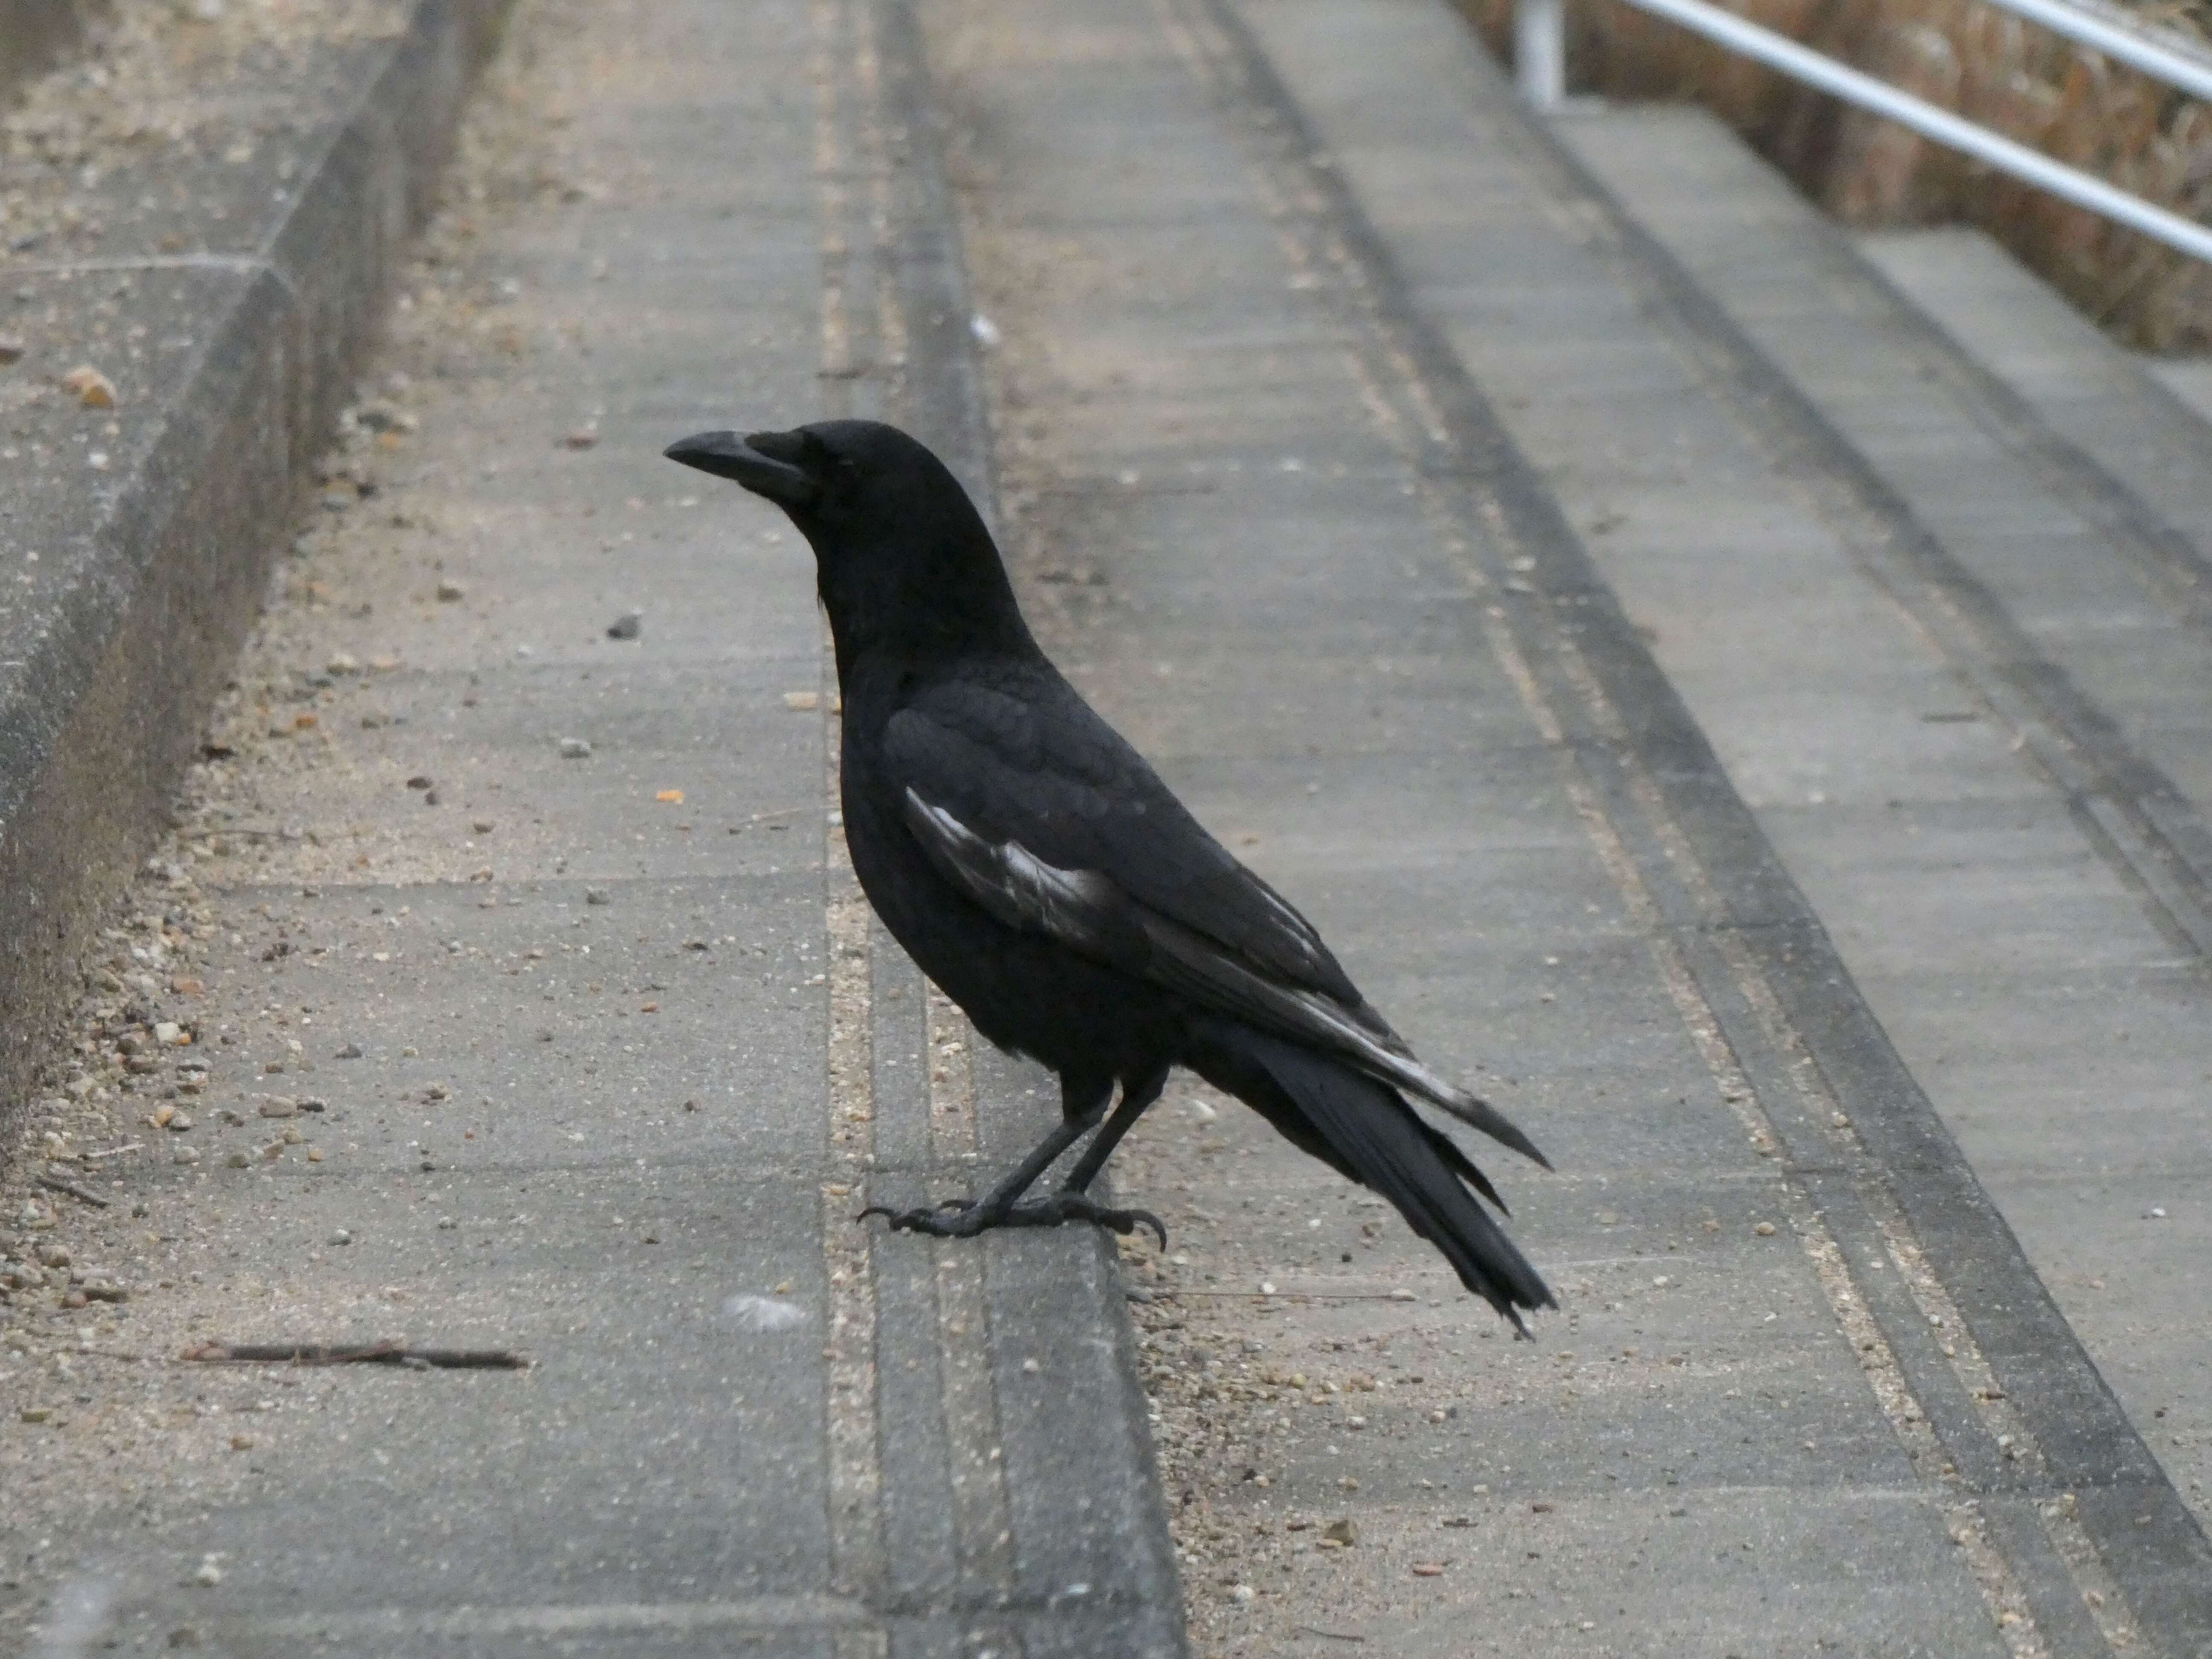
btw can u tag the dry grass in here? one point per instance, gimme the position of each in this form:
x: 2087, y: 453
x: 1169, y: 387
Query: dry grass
x: 2011, y: 75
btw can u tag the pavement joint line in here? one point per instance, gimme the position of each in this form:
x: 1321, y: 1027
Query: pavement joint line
x: 1538, y: 645
x: 859, y: 1561
x: 983, y: 1520
x: 770, y: 1612
x: 243, y: 265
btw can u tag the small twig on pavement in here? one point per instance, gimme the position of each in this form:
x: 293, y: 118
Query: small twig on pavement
x: 1332, y: 1635
x: 373, y: 1353
x: 113, y: 1151
x: 1293, y: 1296
x: 54, y: 1183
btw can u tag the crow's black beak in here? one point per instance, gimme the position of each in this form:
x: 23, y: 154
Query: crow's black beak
x: 727, y: 455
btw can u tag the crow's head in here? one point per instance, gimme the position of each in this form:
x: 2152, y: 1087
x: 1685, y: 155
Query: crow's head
x: 835, y: 478
x: 901, y: 553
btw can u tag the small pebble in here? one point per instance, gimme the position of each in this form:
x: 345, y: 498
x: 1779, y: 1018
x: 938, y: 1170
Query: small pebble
x: 279, y: 1106
x: 208, y: 1574
x: 339, y: 1235
x: 92, y: 389
x: 185, y: 1155
x: 1765, y: 1230
x: 450, y: 591
x: 1243, y: 1594
x: 238, y: 1160
x: 627, y: 626
x: 11, y: 349
x: 348, y: 1051
x: 314, y: 1155
x: 576, y: 748
x: 802, y: 701
x: 241, y: 1442
x: 597, y: 895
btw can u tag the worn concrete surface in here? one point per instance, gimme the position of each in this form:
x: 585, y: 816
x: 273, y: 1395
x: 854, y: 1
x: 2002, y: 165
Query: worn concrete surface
x: 1271, y: 555
x: 1203, y: 356
x: 1362, y: 463
x: 32, y: 33
x: 207, y: 216
x: 607, y: 1056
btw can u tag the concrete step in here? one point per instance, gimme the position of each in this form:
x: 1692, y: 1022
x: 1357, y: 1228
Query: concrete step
x: 2189, y: 379
x: 1949, y: 663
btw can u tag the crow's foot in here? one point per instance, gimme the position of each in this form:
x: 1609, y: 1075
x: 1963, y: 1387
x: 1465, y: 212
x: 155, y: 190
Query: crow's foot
x: 963, y: 1219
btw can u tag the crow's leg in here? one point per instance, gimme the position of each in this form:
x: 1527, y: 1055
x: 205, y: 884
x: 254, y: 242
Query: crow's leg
x: 1071, y: 1202
x: 1001, y: 1209
x: 1134, y: 1099
x: 1081, y: 1105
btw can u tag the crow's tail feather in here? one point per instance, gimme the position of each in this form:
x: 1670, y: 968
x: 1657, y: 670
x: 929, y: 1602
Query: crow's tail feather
x: 1365, y: 1129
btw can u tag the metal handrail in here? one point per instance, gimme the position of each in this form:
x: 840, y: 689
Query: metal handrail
x: 1541, y: 63
x: 2163, y: 54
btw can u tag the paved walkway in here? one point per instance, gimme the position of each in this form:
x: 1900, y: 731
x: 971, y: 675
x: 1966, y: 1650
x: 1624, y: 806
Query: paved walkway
x: 1343, y: 417
x: 1523, y: 607
x: 627, y: 1054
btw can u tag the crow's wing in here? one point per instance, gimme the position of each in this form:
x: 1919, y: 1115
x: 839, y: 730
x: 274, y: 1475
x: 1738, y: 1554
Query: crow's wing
x: 1030, y: 762
x: 1041, y: 813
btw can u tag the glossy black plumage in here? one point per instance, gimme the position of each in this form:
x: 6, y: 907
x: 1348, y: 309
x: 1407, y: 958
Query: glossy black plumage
x: 1039, y: 870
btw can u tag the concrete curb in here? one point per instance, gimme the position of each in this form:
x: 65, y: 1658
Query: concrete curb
x: 1083, y: 1486
x: 149, y: 564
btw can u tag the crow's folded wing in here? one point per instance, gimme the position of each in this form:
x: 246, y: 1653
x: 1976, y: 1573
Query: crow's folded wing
x: 1039, y: 811
x: 1032, y: 764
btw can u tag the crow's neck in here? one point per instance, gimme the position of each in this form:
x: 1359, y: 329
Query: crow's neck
x: 939, y: 603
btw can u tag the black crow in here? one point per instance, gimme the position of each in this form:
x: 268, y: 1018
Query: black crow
x: 1040, y: 872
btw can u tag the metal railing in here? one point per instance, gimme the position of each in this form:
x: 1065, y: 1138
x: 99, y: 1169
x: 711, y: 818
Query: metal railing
x: 1540, y: 67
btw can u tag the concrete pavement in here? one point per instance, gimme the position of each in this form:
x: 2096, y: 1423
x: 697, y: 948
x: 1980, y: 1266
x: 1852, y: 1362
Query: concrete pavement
x: 1361, y: 408
x: 1477, y: 554
x: 556, y: 930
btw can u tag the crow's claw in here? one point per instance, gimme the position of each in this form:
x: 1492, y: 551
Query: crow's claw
x: 964, y: 1218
